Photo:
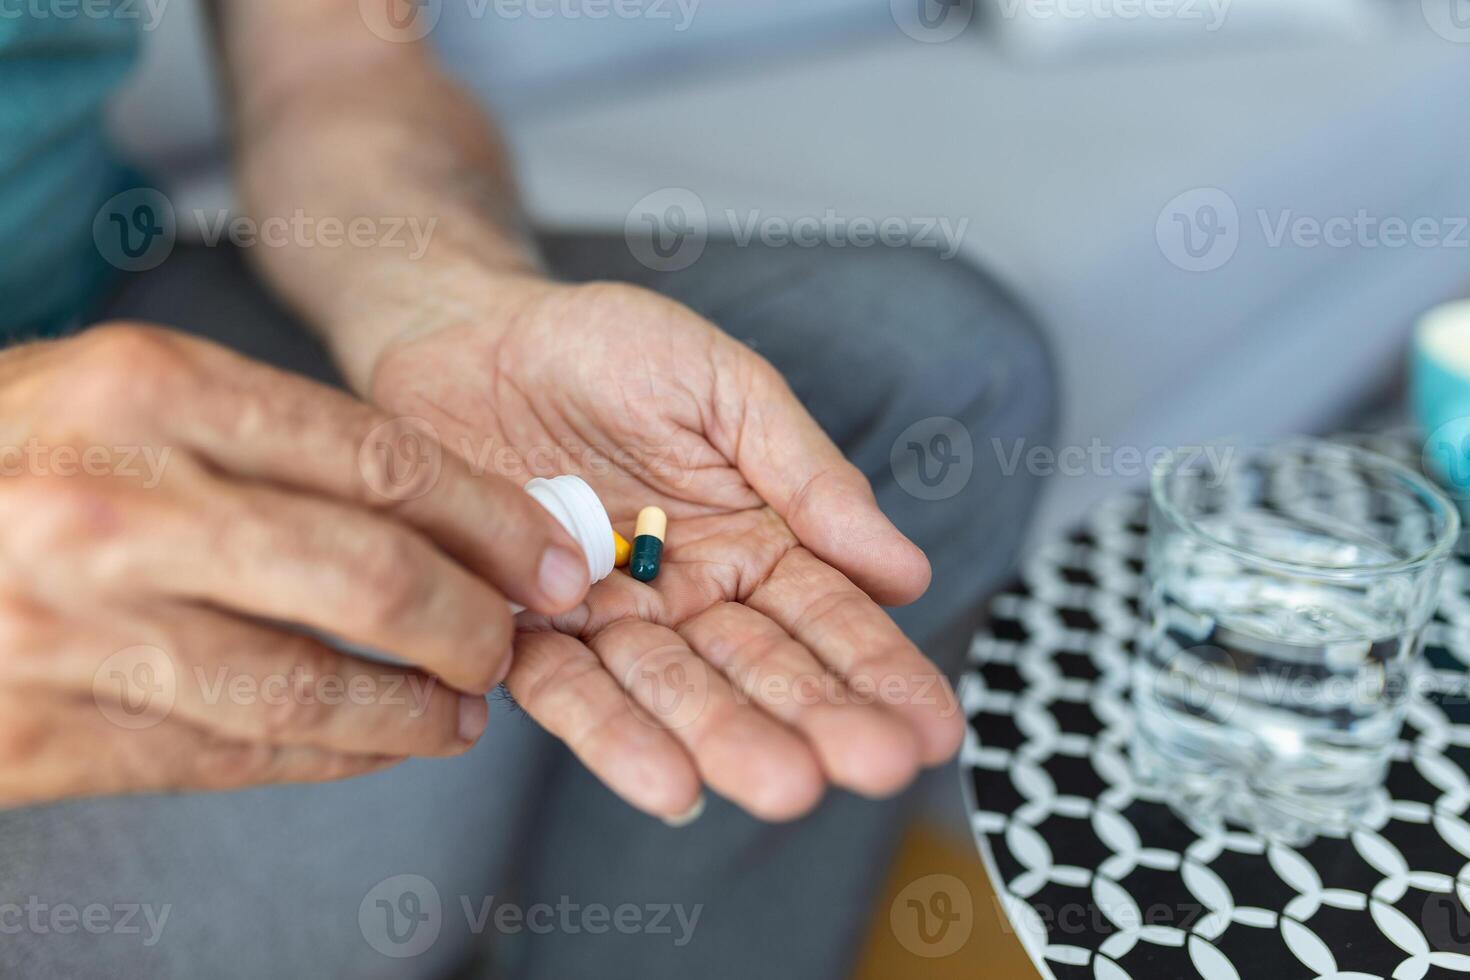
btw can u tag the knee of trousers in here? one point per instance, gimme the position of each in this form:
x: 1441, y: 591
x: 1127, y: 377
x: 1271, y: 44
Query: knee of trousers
x: 978, y: 354
x: 974, y: 393
x: 957, y: 369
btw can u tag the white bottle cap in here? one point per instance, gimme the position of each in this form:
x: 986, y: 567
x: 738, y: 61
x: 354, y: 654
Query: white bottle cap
x: 575, y: 506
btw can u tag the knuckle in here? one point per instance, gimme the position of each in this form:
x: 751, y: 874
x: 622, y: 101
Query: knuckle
x: 47, y: 513
x: 609, y: 294
x: 392, y: 580
x: 23, y: 632
x: 253, y: 417
x: 294, y: 706
x: 114, y: 377
x: 122, y: 362
x: 22, y: 740
x: 288, y: 715
x: 133, y: 345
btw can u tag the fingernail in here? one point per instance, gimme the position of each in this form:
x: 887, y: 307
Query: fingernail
x: 474, y: 714
x: 563, y: 576
x: 689, y: 816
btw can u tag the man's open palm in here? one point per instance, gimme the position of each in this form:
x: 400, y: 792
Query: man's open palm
x: 759, y: 662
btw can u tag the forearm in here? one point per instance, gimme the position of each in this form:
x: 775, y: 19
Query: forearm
x: 332, y: 122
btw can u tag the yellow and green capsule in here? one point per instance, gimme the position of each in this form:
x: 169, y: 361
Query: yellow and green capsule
x: 648, y: 543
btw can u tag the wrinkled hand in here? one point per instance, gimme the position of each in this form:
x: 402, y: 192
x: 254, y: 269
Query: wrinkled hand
x: 759, y: 662
x: 168, y: 504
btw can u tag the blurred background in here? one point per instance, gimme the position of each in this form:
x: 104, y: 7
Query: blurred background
x: 1200, y: 200
x: 1079, y: 141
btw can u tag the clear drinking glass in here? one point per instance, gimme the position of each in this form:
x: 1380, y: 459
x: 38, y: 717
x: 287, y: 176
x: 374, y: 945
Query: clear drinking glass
x: 1289, y: 586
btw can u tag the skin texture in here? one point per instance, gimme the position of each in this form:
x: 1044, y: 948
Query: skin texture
x: 759, y: 664
x: 151, y: 553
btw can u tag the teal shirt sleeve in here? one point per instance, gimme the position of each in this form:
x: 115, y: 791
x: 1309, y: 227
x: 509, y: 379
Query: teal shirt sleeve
x: 56, y: 170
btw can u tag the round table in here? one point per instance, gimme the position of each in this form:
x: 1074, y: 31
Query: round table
x: 1100, y: 879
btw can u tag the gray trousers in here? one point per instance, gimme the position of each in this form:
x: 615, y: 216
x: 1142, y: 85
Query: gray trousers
x: 512, y: 860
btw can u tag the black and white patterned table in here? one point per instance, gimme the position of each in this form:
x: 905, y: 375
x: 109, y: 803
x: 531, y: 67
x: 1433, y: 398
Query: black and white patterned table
x: 1100, y: 880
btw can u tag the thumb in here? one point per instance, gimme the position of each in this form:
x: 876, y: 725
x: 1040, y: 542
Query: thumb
x: 787, y: 458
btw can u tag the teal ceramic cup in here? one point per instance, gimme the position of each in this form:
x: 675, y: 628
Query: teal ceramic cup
x: 1440, y: 392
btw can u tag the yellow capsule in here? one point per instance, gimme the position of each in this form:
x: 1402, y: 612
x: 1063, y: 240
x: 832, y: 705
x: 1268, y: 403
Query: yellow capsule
x: 622, y: 550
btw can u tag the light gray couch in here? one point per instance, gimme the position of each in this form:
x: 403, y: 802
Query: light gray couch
x: 1063, y: 170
